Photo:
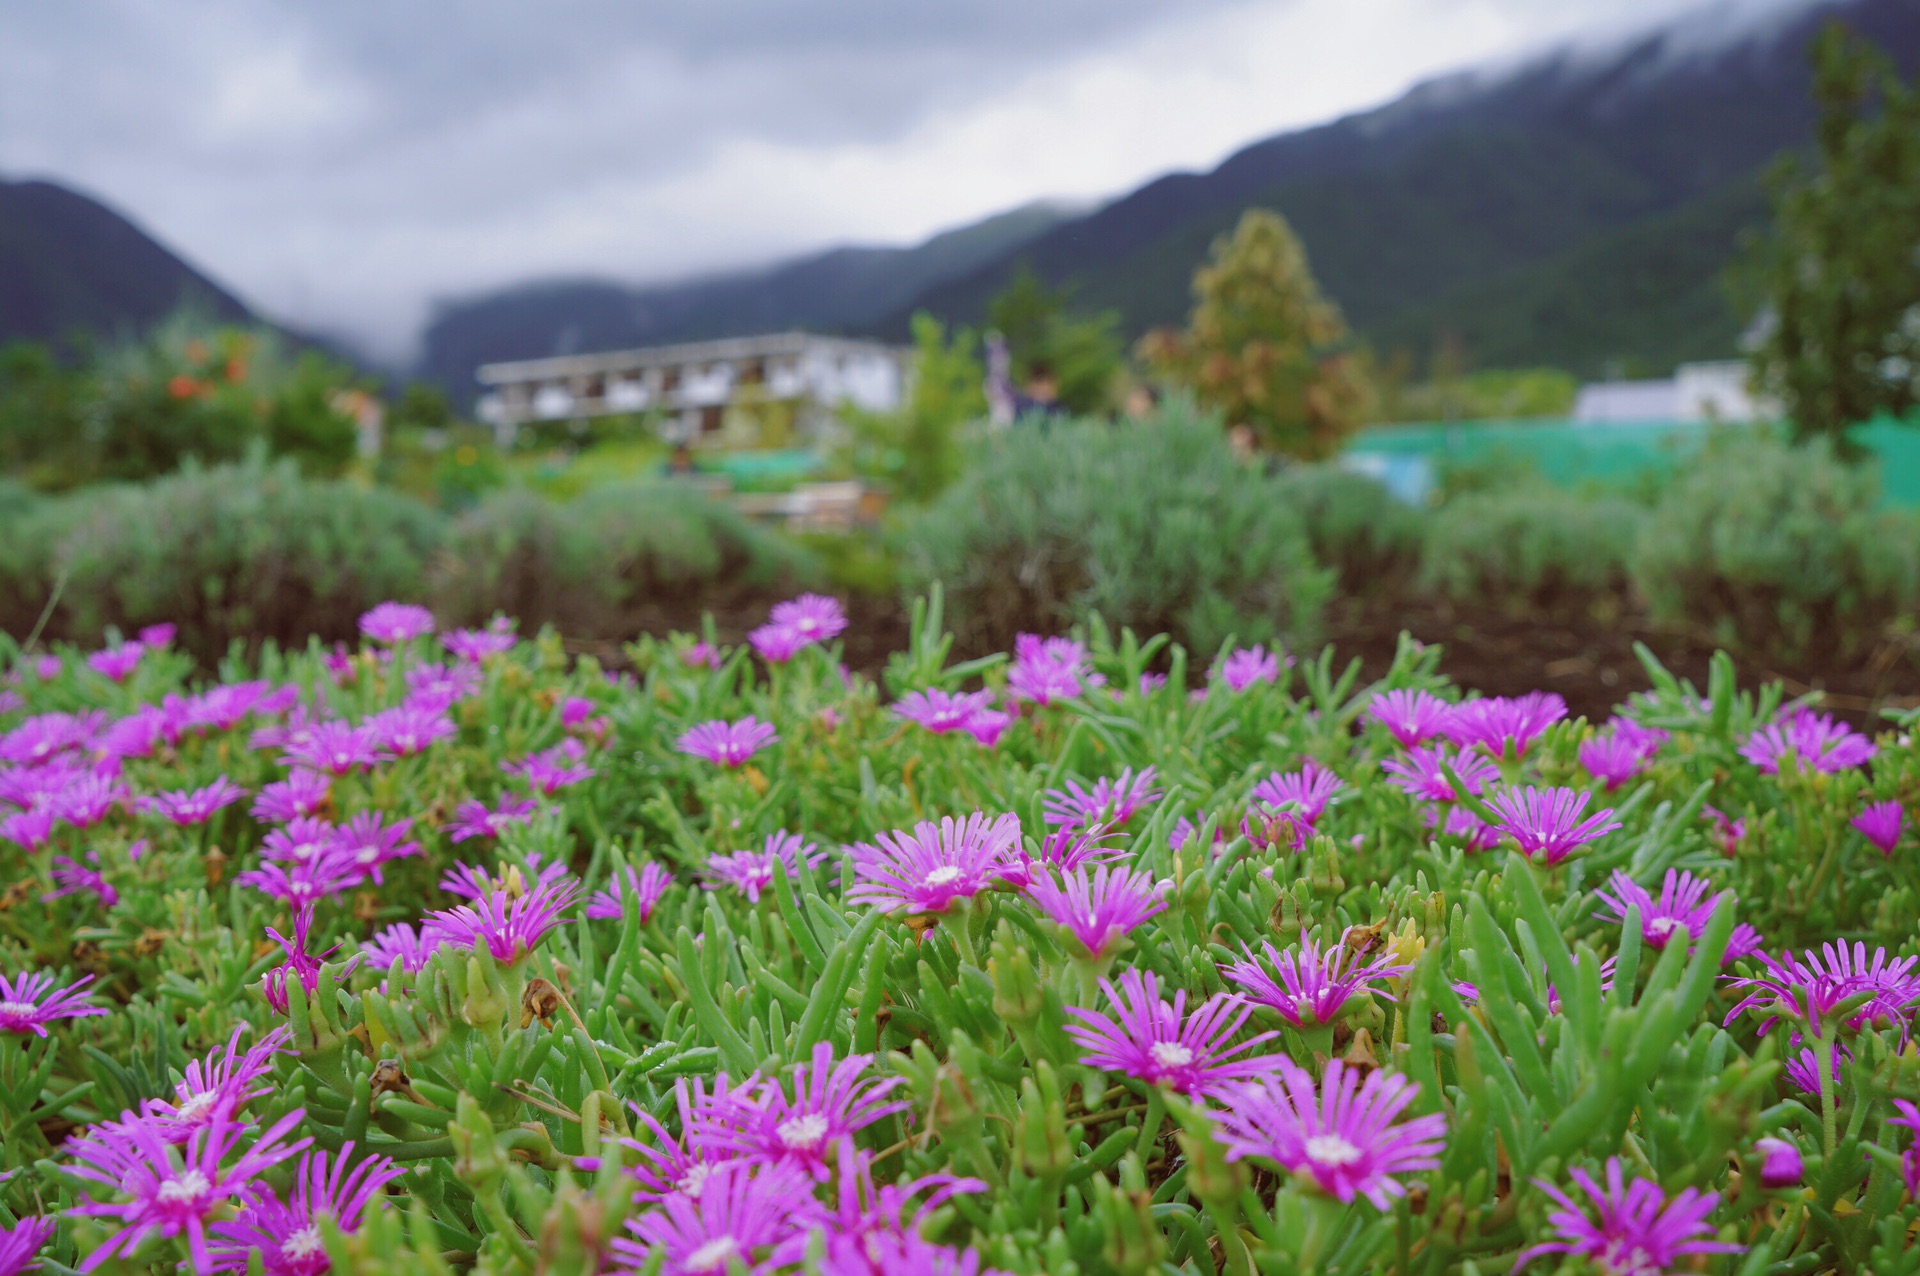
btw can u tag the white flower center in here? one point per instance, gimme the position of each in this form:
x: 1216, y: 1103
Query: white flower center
x: 1332, y: 1150
x: 713, y: 1256
x: 304, y: 1243
x: 1171, y: 1054
x: 18, y: 1010
x: 694, y: 1179
x: 804, y: 1132
x: 195, y: 1107
x: 190, y: 1186
x: 1661, y: 929
x: 942, y: 875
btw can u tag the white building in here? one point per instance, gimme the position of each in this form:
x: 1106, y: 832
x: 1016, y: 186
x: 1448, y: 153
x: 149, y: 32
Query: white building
x: 1696, y: 392
x: 693, y: 386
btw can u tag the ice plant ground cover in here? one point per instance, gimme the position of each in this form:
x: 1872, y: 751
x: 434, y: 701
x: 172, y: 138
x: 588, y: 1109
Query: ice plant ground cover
x: 454, y: 953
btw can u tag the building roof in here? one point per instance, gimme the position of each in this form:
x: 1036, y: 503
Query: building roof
x: 769, y: 345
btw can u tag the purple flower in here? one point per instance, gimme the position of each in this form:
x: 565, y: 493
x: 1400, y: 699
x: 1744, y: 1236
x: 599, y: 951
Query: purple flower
x: 1066, y: 849
x: 28, y: 1003
x: 167, y: 1191
x: 1806, y: 989
x: 1910, y: 1159
x: 335, y: 748
x: 473, y: 818
x: 670, y: 1166
x: 803, y: 1128
x: 395, y: 623
x: 702, y: 655
x: 1500, y: 723
x: 751, y: 872
x: 1727, y: 832
x: 1546, y: 821
x: 1815, y: 739
x: 1343, y: 1137
x: 1419, y: 774
x: 157, y: 637
x: 1780, y: 1165
x: 88, y: 799
x: 215, y: 1088
x: 189, y: 807
x: 300, y: 964
x: 328, y: 873
x: 75, y: 878
x: 739, y: 1215
x: 367, y: 842
x: 302, y: 841
x: 406, y: 731
x: 22, y: 1242
x: 437, y: 688
x: 476, y: 645
x: 1310, y: 789
x: 943, y: 711
x: 284, y: 801
x: 287, y: 1233
x: 1046, y: 670
x: 1159, y: 1043
x: 44, y: 735
x: 1683, y: 907
x: 1879, y: 823
x: 869, y: 1231
x: 988, y: 725
x: 224, y: 707
x: 646, y: 884
x: 552, y: 770
x: 935, y: 866
x: 1803, y: 1069
x: 1099, y: 905
x: 1637, y: 1229
x: 28, y: 830
x: 1617, y: 755
x: 1313, y: 984
x: 728, y: 744
x: 1413, y: 717
x: 815, y: 617
x: 776, y: 644
x: 1109, y: 803
x: 1185, y: 831
x: 402, y: 943
x: 509, y: 924
x: 1464, y: 826
x: 116, y: 663
x: 1244, y: 666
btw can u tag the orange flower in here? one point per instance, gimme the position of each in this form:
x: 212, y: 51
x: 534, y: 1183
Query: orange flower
x: 183, y: 386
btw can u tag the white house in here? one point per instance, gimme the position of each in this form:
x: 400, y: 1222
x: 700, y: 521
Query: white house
x: 1716, y: 391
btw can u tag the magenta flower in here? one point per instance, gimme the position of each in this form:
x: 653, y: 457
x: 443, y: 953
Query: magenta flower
x: 815, y: 617
x: 1617, y: 755
x: 367, y: 842
x: 335, y: 748
x: 1683, y: 907
x: 645, y: 884
x: 1159, y: 1043
x: 1815, y: 739
x: 28, y: 830
x: 1419, y: 774
x: 988, y: 725
x: 1879, y: 823
x: 727, y: 744
x: 1311, y: 985
x: 739, y: 1215
x: 47, y: 734
x: 669, y: 1166
x: 1637, y: 1229
x: 1546, y: 821
x: 804, y: 1123
x: 702, y: 655
x: 751, y: 872
x: 302, y: 841
x: 473, y: 818
x: 1185, y: 831
x: 1780, y: 1164
x: 287, y: 1233
x: 1728, y: 833
x: 28, y: 1003
x: 1803, y: 1069
x: 437, y: 688
x: 75, y: 878
x: 552, y: 770
x: 215, y: 1088
x: 1046, y: 670
x: 869, y: 1231
x: 1343, y: 1136
x: 1109, y: 803
x: 189, y: 807
x: 935, y: 866
x: 1413, y: 717
x: 402, y: 943
x: 475, y: 645
x: 88, y: 799
x: 943, y: 711
x: 225, y: 707
x: 395, y: 623
x: 1099, y: 905
x: 1501, y: 723
x: 1065, y: 849
x: 1807, y: 988
x: 776, y: 644
x: 330, y: 872
x: 1244, y: 666
x: 170, y: 1191
x: 509, y: 924
x: 1265, y: 828
x: 22, y: 1242
x: 116, y: 664
x: 300, y: 964
x: 405, y: 731
x: 1910, y: 1159
x: 1309, y: 789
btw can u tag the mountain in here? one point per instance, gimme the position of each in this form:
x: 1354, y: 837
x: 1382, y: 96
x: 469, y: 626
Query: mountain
x: 841, y: 290
x: 71, y: 265
x: 1578, y: 210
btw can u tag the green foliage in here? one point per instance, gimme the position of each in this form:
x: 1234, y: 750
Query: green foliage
x: 918, y: 448
x: 1838, y: 271
x: 1778, y: 548
x: 1153, y: 524
x: 1356, y: 526
x: 1532, y: 547
x: 1083, y: 352
x: 1263, y: 346
x: 1491, y: 395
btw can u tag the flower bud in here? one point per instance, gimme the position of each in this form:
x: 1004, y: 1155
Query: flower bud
x: 1780, y: 1165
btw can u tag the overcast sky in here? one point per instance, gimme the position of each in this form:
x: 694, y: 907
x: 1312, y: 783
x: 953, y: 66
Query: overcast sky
x: 342, y: 164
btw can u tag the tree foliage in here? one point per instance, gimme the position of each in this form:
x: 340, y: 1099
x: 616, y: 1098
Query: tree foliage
x: 1263, y: 345
x: 1082, y: 351
x: 1839, y: 271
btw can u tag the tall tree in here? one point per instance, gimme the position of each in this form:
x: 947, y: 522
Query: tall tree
x: 1838, y: 272
x: 1263, y: 345
x: 1082, y: 352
